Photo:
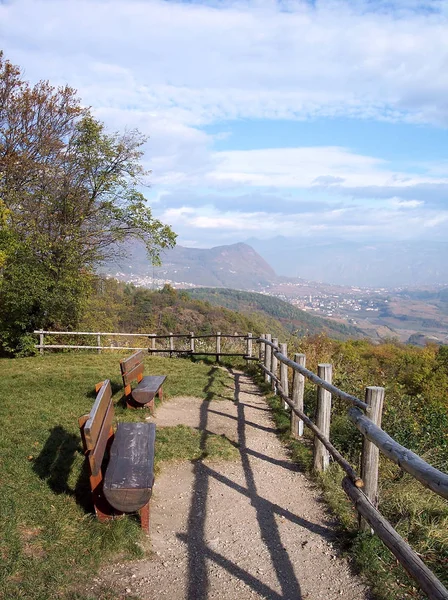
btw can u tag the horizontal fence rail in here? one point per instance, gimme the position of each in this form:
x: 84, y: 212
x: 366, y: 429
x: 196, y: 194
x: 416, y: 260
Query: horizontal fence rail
x: 410, y: 560
x: 191, y: 339
x: 366, y: 416
x: 334, y: 391
x: 429, y: 476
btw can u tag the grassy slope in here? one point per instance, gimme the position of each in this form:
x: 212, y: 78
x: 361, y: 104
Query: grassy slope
x: 292, y: 318
x: 48, y: 536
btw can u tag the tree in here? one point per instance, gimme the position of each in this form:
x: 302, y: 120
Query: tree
x: 70, y: 192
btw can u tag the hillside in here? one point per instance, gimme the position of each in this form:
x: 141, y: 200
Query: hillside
x: 293, y: 319
x: 236, y: 266
x: 120, y: 307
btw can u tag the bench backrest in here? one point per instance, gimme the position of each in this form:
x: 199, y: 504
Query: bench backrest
x: 132, y: 370
x: 96, y: 427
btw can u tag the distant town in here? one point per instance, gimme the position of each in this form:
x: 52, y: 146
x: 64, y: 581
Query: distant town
x: 379, y: 312
x: 350, y: 304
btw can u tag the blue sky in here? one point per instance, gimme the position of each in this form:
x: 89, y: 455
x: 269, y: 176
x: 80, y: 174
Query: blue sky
x: 319, y: 119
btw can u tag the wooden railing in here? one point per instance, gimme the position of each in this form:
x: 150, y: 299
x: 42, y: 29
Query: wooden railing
x: 365, y: 414
x: 196, y: 343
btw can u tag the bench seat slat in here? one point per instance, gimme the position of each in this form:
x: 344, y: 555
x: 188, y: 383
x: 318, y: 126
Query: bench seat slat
x: 132, y: 375
x: 129, y: 476
x: 97, y: 454
x: 127, y: 364
x: 93, y: 425
x: 148, y: 388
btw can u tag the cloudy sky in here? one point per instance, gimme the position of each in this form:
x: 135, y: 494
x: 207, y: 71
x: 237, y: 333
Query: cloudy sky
x: 303, y: 119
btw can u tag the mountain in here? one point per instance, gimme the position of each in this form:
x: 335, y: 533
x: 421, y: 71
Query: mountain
x: 235, y: 266
x: 366, y: 264
x: 291, y: 318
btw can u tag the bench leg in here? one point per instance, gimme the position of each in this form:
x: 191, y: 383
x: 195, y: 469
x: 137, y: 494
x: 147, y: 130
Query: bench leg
x: 102, y: 517
x: 144, y: 518
x: 102, y: 509
x: 160, y: 394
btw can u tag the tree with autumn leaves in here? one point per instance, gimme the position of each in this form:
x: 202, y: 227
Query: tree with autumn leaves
x: 69, y: 193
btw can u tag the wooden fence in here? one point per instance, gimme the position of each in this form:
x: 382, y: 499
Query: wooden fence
x: 194, y: 344
x: 365, y: 414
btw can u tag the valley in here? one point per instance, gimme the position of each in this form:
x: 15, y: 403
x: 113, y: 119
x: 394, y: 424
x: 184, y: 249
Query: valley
x: 409, y: 314
x: 416, y: 315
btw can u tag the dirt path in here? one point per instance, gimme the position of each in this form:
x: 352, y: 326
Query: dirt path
x: 254, y: 528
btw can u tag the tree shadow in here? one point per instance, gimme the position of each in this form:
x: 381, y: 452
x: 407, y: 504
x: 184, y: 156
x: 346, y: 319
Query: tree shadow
x: 55, y: 462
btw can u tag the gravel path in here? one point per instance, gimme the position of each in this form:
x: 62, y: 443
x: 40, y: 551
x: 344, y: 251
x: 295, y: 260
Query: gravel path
x: 254, y: 528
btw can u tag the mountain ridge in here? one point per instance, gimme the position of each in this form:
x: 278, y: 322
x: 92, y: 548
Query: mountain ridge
x: 236, y: 266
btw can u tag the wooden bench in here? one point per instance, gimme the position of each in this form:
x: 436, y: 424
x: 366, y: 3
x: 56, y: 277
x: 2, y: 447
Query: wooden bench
x: 147, y: 387
x: 124, y: 482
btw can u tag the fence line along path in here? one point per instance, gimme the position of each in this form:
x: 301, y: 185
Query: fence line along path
x: 362, y: 489
x: 194, y: 344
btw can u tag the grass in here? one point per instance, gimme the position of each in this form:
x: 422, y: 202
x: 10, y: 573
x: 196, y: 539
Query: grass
x: 418, y: 515
x: 184, y: 443
x: 49, y: 539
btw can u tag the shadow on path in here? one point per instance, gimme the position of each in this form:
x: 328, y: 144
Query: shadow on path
x: 195, y: 538
x: 266, y: 515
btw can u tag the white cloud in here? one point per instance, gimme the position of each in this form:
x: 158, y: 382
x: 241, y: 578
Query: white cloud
x: 399, y: 203
x: 200, y: 64
x: 329, y: 167
x: 170, y: 67
x: 213, y: 225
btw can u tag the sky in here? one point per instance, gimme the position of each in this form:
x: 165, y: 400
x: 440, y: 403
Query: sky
x: 311, y: 120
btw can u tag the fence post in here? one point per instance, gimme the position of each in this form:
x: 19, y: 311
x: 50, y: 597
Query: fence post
x: 321, y: 454
x: 370, y: 453
x: 171, y: 344
x: 41, y: 341
x: 192, y: 342
x: 284, y: 373
x: 261, y: 348
x: 298, y: 391
x: 218, y: 345
x: 267, y: 358
x: 98, y: 342
x: 274, y: 366
x: 153, y: 341
x: 249, y: 348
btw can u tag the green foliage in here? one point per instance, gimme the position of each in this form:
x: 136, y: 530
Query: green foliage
x: 123, y: 307
x: 416, y: 380
x: 294, y: 320
x: 69, y: 191
x: 30, y: 299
